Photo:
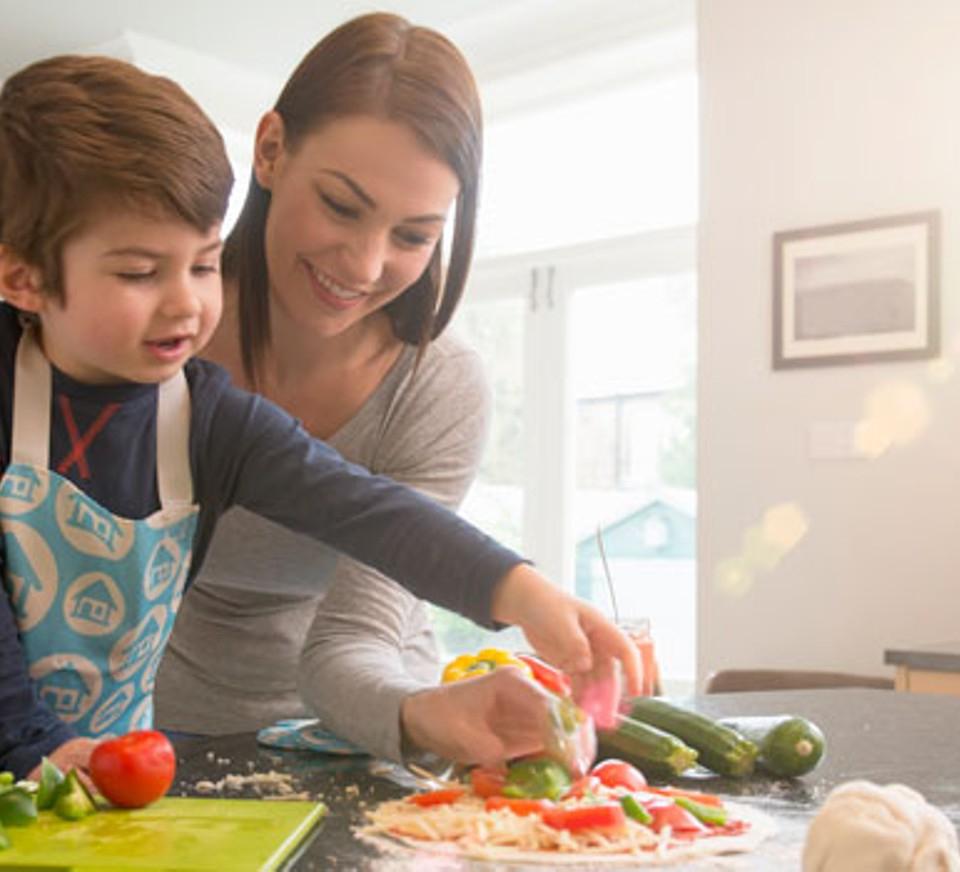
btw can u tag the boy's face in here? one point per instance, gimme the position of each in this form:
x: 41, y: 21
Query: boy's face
x: 141, y: 296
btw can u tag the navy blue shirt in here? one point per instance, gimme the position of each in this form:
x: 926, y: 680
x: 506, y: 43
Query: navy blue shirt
x: 243, y: 451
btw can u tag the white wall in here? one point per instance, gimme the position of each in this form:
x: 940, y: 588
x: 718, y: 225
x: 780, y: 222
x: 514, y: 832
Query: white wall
x: 812, y: 113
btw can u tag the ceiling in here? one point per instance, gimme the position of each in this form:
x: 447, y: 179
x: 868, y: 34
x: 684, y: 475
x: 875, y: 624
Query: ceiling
x: 497, y: 36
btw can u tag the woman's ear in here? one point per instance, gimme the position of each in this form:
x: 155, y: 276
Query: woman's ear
x: 21, y: 284
x: 267, y: 148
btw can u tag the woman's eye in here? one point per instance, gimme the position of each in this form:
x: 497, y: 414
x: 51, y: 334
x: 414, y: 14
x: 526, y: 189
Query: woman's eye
x: 205, y: 269
x: 341, y: 209
x: 411, y: 239
x: 136, y: 276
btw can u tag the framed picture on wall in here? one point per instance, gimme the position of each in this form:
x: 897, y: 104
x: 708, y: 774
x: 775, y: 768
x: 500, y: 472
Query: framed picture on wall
x: 858, y: 292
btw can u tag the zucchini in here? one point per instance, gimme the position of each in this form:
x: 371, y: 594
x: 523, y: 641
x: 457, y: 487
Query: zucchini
x: 720, y: 748
x: 654, y: 752
x: 789, y: 745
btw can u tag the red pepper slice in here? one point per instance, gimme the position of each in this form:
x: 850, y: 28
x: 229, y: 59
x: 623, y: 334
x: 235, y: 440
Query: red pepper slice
x: 618, y: 773
x: 681, y: 822
x: 607, y: 816
x: 548, y: 676
x: 520, y: 807
x: 446, y: 796
x: 487, y: 782
x: 703, y: 798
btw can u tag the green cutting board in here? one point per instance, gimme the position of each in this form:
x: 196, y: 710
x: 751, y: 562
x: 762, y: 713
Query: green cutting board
x: 174, y: 835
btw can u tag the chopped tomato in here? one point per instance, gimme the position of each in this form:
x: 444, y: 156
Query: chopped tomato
x: 607, y: 816
x: 583, y: 786
x: 446, y: 796
x: 617, y: 773
x: 548, y: 676
x: 520, y: 807
x: 681, y: 822
x: 487, y: 782
x: 702, y: 798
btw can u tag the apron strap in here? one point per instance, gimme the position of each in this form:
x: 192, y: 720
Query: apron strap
x: 33, y: 388
x: 174, y: 480
x: 31, y: 403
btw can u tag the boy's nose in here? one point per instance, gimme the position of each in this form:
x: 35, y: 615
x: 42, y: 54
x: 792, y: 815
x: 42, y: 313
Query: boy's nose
x: 180, y: 300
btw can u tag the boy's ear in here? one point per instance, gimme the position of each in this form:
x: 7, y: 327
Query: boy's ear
x: 21, y: 284
x: 267, y: 148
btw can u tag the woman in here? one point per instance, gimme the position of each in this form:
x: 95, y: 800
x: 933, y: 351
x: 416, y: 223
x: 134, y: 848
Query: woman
x: 334, y: 307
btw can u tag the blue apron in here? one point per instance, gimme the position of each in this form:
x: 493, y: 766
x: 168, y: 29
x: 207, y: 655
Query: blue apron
x: 94, y: 594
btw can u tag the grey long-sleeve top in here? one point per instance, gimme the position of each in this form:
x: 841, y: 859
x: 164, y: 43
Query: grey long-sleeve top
x: 353, y: 653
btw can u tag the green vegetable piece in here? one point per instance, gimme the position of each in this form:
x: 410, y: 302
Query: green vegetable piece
x: 633, y: 809
x: 73, y: 801
x: 17, y: 808
x: 790, y: 745
x: 707, y: 814
x: 4, y: 840
x: 6, y: 779
x: 50, y: 780
x: 536, y: 778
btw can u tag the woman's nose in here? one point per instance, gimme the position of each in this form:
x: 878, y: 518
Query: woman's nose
x: 364, y: 258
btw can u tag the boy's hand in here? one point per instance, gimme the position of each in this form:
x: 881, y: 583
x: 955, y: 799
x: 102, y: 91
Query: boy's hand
x: 485, y: 720
x: 74, y: 754
x: 568, y: 632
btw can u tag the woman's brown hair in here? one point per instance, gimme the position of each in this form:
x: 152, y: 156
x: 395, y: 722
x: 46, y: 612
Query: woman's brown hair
x: 383, y: 66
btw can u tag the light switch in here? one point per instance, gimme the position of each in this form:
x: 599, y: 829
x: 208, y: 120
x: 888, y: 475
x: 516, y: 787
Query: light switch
x: 833, y: 440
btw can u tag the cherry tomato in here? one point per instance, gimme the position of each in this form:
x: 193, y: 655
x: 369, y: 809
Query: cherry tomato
x: 618, y: 773
x: 135, y: 769
x: 683, y: 824
x: 607, y: 816
x: 520, y: 807
x: 445, y: 796
x: 487, y: 782
x: 548, y: 676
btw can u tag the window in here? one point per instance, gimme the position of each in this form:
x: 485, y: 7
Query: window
x: 582, y: 303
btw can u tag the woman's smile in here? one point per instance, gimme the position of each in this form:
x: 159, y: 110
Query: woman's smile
x: 331, y: 292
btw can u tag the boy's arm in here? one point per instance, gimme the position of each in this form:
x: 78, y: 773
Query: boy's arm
x: 28, y: 729
x: 255, y: 455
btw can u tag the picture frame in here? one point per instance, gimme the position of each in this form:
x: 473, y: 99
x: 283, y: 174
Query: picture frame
x: 857, y: 292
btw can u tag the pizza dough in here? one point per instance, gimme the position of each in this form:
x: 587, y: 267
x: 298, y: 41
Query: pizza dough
x: 863, y: 827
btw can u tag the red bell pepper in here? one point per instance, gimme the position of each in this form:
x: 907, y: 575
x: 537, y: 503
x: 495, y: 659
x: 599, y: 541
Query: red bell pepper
x: 520, y: 807
x: 618, y: 773
x: 445, y: 796
x: 606, y: 816
x: 548, y: 676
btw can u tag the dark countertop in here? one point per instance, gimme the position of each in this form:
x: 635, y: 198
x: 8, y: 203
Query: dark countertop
x: 942, y: 657
x: 879, y: 735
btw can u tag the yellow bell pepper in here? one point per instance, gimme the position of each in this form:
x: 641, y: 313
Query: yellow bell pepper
x: 484, y: 661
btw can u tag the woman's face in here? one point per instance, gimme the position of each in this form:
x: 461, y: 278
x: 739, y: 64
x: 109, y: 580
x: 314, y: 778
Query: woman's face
x: 356, y: 211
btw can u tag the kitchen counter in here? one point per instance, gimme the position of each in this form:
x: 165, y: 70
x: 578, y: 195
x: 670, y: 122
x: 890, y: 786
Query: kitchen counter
x: 878, y: 735
x: 927, y: 668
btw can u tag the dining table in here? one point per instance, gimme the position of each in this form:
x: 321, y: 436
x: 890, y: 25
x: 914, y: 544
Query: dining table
x: 878, y: 735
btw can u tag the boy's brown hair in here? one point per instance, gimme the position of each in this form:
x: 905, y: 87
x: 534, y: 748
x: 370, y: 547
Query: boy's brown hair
x: 83, y: 133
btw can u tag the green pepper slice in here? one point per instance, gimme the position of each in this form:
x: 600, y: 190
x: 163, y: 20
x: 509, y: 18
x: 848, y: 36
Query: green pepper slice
x: 50, y: 780
x: 706, y: 814
x: 73, y: 800
x: 17, y: 808
x: 635, y: 810
x: 536, y: 778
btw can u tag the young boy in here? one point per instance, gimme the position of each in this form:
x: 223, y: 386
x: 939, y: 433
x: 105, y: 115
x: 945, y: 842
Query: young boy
x: 119, y: 451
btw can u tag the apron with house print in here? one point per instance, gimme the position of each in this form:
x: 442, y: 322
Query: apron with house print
x: 94, y: 594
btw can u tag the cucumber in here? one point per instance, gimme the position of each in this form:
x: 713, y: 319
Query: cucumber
x: 652, y: 751
x: 789, y: 745
x: 720, y: 748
